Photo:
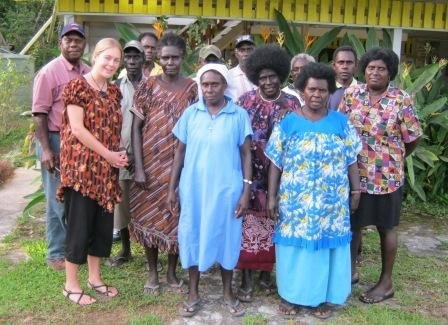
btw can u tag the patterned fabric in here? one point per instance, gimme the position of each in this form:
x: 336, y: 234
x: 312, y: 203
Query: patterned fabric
x: 314, y: 187
x: 257, y: 250
x: 384, y: 127
x: 159, y: 105
x: 83, y: 169
x: 336, y: 97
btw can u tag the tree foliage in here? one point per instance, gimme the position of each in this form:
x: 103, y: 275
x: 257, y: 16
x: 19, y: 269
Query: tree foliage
x: 19, y: 22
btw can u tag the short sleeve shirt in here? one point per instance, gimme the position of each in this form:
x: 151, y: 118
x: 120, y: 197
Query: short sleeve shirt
x: 48, y: 86
x: 384, y: 128
x: 83, y: 169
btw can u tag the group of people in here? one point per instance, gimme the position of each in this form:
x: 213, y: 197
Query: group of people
x: 225, y: 168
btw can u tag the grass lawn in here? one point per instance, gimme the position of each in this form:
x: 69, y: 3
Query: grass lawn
x: 31, y: 292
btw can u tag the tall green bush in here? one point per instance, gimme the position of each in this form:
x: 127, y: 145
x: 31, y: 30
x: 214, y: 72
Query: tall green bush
x: 12, y: 83
x: 427, y: 167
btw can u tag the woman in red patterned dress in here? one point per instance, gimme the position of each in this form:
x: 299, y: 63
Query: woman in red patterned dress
x: 268, y: 67
x: 90, y: 159
x: 158, y: 104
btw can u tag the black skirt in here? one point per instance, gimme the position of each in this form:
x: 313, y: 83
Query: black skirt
x: 378, y: 210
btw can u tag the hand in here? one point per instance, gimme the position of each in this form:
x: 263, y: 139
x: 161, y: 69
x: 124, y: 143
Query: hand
x: 48, y: 160
x: 172, y: 202
x: 242, y: 205
x: 354, y: 201
x: 140, y: 179
x: 272, y: 208
x: 117, y: 159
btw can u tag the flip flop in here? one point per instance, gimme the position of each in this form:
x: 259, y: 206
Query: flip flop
x: 268, y: 287
x: 106, y: 293
x: 287, y: 309
x: 189, y: 309
x: 365, y: 298
x: 179, y: 287
x: 245, y: 295
x: 151, y: 289
x: 323, y: 311
x: 117, y: 261
x: 68, y: 293
x: 233, y: 308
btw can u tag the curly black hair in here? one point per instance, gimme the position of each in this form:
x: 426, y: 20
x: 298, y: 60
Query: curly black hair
x: 267, y: 57
x: 172, y: 39
x: 378, y: 53
x: 316, y: 71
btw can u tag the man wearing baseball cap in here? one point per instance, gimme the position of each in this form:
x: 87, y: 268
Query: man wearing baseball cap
x: 47, y: 110
x: 244, y: 46
x: 133, y: 58
x: 209, y: 54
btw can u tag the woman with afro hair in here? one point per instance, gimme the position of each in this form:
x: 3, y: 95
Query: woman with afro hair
x: 268, y: 67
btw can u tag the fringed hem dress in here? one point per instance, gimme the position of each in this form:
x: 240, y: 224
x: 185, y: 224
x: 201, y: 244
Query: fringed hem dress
x: 312, y: 236
x: 159, y: 105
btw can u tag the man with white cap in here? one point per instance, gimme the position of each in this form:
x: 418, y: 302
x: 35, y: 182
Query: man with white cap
x: 47, y: 111
x: 133, y: 58
x: 244, y: 46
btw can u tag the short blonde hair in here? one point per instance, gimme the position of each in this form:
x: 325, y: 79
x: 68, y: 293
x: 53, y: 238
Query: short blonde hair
x: 103, y: 45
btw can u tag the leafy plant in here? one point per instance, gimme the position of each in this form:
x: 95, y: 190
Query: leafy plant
x: 427, y: 168
x: 295, y: 42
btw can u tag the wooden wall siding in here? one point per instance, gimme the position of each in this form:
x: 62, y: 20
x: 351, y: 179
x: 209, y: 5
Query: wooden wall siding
x: 382, y: 13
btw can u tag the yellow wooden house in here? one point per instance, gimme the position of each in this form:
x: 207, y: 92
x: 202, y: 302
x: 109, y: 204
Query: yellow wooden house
x: 414, y: 22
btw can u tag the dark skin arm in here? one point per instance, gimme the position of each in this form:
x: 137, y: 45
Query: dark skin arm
x: 273, y: 183
x: 49, y: 159
x: 355, y: 193
x: 178, y: 163
x: 410, y: 147
x: 172, y: 199
x: 137, y: 150
x: 246, y: 163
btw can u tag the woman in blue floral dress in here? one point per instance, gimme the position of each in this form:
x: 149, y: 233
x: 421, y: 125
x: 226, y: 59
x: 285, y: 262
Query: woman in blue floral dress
x: 313, y: 187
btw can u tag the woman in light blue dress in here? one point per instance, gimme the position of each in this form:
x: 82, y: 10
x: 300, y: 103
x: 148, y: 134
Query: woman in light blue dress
x: 313, y: 187
x: 212, y: 168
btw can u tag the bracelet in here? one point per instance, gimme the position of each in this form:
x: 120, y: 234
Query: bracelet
x: 355, y: 191
x: 247, y: 181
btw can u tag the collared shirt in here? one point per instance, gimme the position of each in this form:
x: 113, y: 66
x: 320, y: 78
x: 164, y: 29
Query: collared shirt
x: 48, y: 86
x: 384, y: 128
x: 241, y: 83
x: 290, y: 89
x: 336, y: 97
x: 127, y: 91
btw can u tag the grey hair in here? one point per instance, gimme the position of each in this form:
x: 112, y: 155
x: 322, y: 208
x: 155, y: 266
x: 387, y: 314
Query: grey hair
x: 303, y: 56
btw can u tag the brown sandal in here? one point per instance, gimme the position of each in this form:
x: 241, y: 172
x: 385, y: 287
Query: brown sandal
x: 106, y: 293
x: 68, y: 293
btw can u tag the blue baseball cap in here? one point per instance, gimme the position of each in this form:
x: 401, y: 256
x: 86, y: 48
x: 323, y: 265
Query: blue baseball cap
x: 72, y: 27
